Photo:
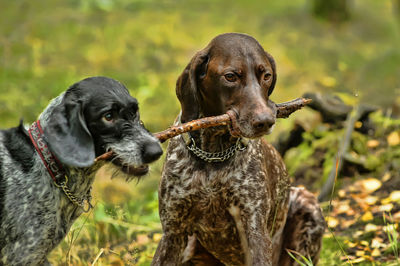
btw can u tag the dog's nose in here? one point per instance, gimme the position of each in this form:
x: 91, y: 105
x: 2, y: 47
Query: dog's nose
x: 151, y: 152
x: 263, y: 122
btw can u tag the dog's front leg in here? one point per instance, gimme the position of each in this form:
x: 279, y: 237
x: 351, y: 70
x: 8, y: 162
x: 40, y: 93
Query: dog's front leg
x: 256, y: 244
x: 169, y: 251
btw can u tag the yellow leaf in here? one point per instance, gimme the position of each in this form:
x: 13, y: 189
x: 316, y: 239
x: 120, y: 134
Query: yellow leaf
x: 377, y: 243
x: 372, y: 143
x: 342, y: 208
x: 348, y: 223
x: 367, y: 216
x: 360, y: 253
x: 386, y: 207
x: 394, y: 138
x: 157, y: 237
x: 370, y: 228
x: 357, y: 234
x: 395, y: 195
x: 350, y: 244
x: 357, y: 260
x: 375, y: 253
x: 370, y: 184
x: 342, y: 193
x: 364, y: 243
x: 371, y: 200
x: 358, y: 124
x: 386, y: 201
x: 331, y: 221
x: 386, y: 177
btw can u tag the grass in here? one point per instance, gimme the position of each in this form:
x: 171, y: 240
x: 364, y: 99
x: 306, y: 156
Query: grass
x: 393, y: 236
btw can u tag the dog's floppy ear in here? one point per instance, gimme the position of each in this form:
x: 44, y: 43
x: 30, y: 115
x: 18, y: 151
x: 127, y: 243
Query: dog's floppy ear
x: 68, y: 136
x: 186, y: 85
x: 272, y: 62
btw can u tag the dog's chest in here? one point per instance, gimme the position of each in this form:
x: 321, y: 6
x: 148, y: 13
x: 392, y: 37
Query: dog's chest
x: 195, y: 197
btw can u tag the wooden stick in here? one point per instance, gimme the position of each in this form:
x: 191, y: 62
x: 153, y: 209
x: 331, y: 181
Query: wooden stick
x: 205, y: 122
x: 284, y: 110
x: 287, y: 108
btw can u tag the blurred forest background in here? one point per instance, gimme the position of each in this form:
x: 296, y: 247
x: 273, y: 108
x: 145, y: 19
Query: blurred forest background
x: 349, y: 48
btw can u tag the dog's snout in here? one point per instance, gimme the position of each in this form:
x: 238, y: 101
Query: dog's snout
x: 151, y: 151
x: 263, y: 122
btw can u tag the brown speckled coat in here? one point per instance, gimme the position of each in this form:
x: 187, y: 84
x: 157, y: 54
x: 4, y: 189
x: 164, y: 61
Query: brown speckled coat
x: 241, y: 211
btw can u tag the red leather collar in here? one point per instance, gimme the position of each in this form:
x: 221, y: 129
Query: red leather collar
x: 53, y: 165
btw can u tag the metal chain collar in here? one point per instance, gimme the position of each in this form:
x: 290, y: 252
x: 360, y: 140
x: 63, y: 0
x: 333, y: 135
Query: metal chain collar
x: 84, y: 203
x: 212, y: 157
x: 54, y: 167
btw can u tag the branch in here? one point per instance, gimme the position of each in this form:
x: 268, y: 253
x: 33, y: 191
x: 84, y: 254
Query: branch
x: 284, y: 110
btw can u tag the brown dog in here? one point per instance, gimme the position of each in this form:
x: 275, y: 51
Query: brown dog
x: 224, y: 196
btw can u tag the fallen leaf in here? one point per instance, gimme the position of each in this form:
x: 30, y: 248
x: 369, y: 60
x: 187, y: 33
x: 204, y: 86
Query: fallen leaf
x: 375, y: 253
x: 377, y: 242
x: 358, y: 233
x: 359, y: 198
x: 348, y: 223
x: 395, y: 195
x: 341, y: 193
x: 350, y: 212
x: 360, y: 253
x: 386, y: 201
x: 157, y: 237
x: 343, y: 208
x: 358, y: 124
x: 370, y: 184
x: 386, y: 177
x: 370, y: 228
x: 357, y: 260
x: 371, y: 200
x: 393, y: 138
x: 396, y: 217
x: 367, y: 217
x: 386, y: 207
x: 350, y: 244
x: 364, y: 243
x: 372, y: 143
x: 331, y: 221
x: 142, y: 239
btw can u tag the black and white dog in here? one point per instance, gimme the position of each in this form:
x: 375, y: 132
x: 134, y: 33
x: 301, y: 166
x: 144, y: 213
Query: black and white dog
x: 46, y: 172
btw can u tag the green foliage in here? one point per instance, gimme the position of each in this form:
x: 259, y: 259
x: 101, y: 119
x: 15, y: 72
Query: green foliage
x: 299, y: 258
x: 393, y: 237
x: 330, y: 253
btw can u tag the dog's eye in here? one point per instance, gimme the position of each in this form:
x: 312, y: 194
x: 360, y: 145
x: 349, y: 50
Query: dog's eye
x: 267, y: 76
x: 230, y: 77
x: 108, y: 117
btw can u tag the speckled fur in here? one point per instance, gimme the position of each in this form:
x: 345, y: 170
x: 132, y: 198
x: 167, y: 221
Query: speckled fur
x: 238, y: 212
x: 35, y: 215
